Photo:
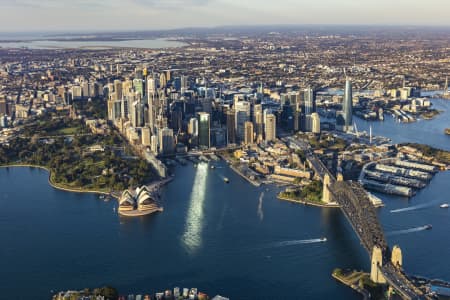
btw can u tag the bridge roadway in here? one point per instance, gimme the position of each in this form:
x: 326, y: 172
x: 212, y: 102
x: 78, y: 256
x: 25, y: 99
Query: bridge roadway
x: 359, y: 210
x: 357, y: 207
x: 362, y: 215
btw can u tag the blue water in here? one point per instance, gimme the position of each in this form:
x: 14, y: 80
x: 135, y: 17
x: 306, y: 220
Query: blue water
x: 430, y: 132
x: 211, y: 236
x: 230, y: 239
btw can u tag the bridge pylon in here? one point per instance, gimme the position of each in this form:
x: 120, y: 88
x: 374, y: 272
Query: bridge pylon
x: 377, y: 260
x: 326, y: 195
x: 397, y: 257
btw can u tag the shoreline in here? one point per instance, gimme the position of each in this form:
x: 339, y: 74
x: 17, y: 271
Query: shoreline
x: 361, y: 291
x: 236, y: 170
x: 308, y: 203
x: 113, y: 194
x: 58, y: 186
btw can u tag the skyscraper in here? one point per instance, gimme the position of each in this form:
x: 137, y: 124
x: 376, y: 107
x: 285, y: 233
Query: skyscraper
x: 242, y: 110
x: 258, y: 120
x: 315, y: 123
x: 193, y: 131
x: 184, y: 84
x: 347, y: 105
x: 138, y: 86
x: 152, y: 99
x: 166, y: 142
x: 309, y: 101
x: 270, y: 124
x: 231, y: 126
x: 204, y: 131
x: 163, y: 80
x: 118, y: 89
x: 308, y: 107
x: 3, y: 107
x: 248, y: 137
x: 137, y: 118
x: 146, y: 136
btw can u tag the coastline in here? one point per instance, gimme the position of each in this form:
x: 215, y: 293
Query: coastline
x: 305, y: 202
x: 254, y: 183
x: 58, y: 186
x: 362, y: 291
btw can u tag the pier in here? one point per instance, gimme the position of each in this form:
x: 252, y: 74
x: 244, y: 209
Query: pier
x: 396, y: 176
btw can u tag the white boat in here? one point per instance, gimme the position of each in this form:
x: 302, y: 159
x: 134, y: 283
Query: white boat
x: 445, y: 205
x: 324, y: 239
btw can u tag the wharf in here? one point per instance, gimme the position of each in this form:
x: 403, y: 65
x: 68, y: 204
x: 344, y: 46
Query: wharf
x: 253, y: 182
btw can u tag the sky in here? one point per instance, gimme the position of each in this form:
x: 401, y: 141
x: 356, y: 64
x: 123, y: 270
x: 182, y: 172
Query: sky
x: 104, y: 15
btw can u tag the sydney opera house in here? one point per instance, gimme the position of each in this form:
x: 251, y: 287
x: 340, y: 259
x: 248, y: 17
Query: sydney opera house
x: 138, y: 202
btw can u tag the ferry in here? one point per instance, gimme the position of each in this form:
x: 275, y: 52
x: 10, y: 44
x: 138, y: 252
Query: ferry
x: 428, y: 227
x: 445, y: 205
x: 226, y: 180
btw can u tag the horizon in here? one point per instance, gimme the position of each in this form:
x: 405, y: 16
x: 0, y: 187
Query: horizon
x: 137, y: 15
x: 361, y: 27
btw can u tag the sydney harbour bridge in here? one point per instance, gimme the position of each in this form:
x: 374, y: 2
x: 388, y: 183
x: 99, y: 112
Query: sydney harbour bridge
x: 386, y: 264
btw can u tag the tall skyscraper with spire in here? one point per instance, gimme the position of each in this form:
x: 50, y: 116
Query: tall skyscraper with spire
x: 347, y: 106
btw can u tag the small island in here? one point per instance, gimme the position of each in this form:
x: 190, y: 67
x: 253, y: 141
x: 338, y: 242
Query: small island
x: 447, y: 131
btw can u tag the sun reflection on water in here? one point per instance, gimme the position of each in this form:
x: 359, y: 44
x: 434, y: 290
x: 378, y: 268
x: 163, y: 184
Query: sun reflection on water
x: 192, y: 237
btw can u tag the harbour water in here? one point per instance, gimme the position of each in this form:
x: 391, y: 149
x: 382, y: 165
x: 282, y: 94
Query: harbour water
x: 430, y: 132
x: 231, y: 239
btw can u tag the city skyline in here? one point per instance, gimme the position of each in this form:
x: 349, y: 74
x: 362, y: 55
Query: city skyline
x: 94, y: 15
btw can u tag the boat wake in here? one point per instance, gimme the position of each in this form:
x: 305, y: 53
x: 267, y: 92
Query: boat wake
x: 260, y: 211
x: 407, y: 231
x: 412, y: 208
x: 299, y: 242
